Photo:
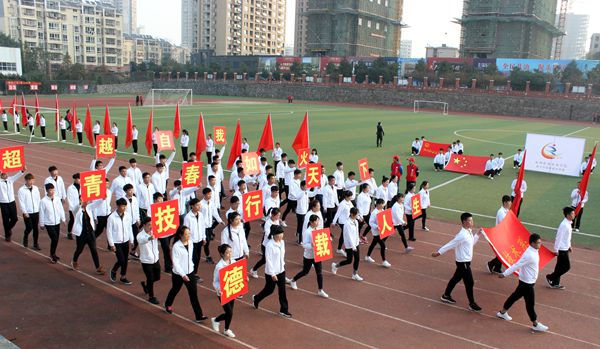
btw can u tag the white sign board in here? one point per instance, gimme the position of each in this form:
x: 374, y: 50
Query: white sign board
x: 554, y: 154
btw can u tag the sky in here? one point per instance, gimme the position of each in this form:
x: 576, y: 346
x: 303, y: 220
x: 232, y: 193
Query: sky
x: 425, y: 27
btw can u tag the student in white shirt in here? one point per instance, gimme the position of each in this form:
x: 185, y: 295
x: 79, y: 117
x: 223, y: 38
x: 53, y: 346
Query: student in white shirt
x: 462, y: 244
x: 52, y: 214
x: 73, y: 194
x: 308, y: 258
x: 5, y: 120
x: 245, y: 145
x: 83, y: 229
x: 379, y: 206
x: 382, y: 191
x: 225, y: 251
x: 351, y: 184
x: 523, y: 190
x: 96, y: 129
x: 274, y: 218
x: 410, y: 221
x: 314, y: 208
x: 29, y: 202
x: 159, y: 179
x: 161, y: 159
x: 459, y: 147
x: 8, y: 205
x: 583, y: 166
x: 62, y: 125
x: 98, y: 165
x: 562, y: 248
x: 338, y: 174
x: 575, y: 200
x: 120, y: 237
x: 277, y: 155
x: 447, y: 155
x: 363, y: 204
x: 234, y: 236
x: 115, y: 132
x: 490, y: 170
x: 210, y: 148
x: 183, y: 267
x: 528, y: 265
x: 145, y: 192
x: 280, y: 172
x: 149, y: 258
x: 133, y: 208
x: 134, y: 139
x: 314, y: 156
x: 425, y: 203
x: 57, y: 182
x: 31, y: 124
x: 184, y: 141
x: 518, y: 159
x: 351, y: 243
x: 341, y: 217
x: 119, y: 182
x: 301, y: 209
x: 415, y: 147
x: 102, y: 211
x: 495, y: 265
x: 398, y: 219
x: 43, y: 126
x: 79, y: 130
x: 211, y: 220
x: 439, y: 161
x: 197, y: 225
x: 293, y: 193
x: 274, y: 271
x: 499, y: 164
x: 330, y: 200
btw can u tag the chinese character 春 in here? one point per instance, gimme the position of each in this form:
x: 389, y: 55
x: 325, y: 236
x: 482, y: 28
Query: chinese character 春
x: 192, y: 174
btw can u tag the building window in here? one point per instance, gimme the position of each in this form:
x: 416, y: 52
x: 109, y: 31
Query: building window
x: 52, y: 25
x: 387, y: 3
x: 377, y: 25
x: 369, y: 24
x: 6, y: 66
x: 359, y: 21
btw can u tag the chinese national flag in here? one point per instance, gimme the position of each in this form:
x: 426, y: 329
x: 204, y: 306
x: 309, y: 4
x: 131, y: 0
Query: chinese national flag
x: 236, y: 146
x: 220, y: 136
x: 191, y: 174
x: 518, y: 195
x: 322, y: 245
x: 165, y: 218
x: 93, y: 185
x: 106, y: 121
x: 363, y: 169
x: 303, y: 156
x: 149, y: 134
x: 584, y: 181
x: 164, y: 140
x: 302, y: 140
x: 129, y: 129
x: 385, y: 223
x: 23, y: 110
x: 416, y: 206
x: 105, y: 146
x: 87, y: 127
x: 431, y: 149
x: 12, y: 158
x: 37, y: 110
x: 233, y: 281
x: 252, y: 204
x: 74, y: 122
x: 510, y: 239
x: 176, y: 123
x: 266, y: 140
x: 313, y: 175
x: 250, y: 163
x: 201, y: 137
x: 474, y: 165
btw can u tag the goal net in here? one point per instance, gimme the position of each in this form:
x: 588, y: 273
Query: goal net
x: 430, y: 105
x: 25, y: 132
x: 166, y: 97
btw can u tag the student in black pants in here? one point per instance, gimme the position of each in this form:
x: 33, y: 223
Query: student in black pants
x: 410, y: 221
x: 351, y: 243
x: 52, y: 214
x: 149, y: 257
x: 8, y: 205
x: 225, y: 251
x: 29, y: 201
x: 83, y: 229
x: 165, y: 243
x: 120, y: 238
x: 562, y: 249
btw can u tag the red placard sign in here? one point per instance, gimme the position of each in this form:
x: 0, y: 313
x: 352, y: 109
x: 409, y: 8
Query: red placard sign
x: 93, y: 185
x: 165, y: 218
x: 303, y: 156
x: 13, y: 158
x: 385, y: 223
x: 313, y: 175
x: 233, y: 281
x: 164, y: 140
x: 415, y: 201
x: 363, y: 169
x: 322, y: 244
x: 72, y: 87
x: 220, y: 137
x: 105, y: 146
x: 252, y: 203
x: 250, y: 163
x: 191, y: 174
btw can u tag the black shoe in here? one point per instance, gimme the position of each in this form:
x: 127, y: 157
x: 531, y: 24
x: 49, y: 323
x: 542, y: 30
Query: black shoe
x: 412, y: 239
x: 474, y: 307
x: 202, y: 318
x: 254, y: 304
x: 125, y: 281
x: 489, y: 267
x: 145, y: 288
x: 37, y: 247
x: 448, y: 299
x: 53, y: 259
x: 285, y: 314
x: 113, y: 276
x: 209, y: 260
x: 153, y: 300
x: 70, y: 236
x: 199, y: 280
x: 549, y: 281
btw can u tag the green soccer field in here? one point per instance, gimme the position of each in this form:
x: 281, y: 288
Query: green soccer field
x: 347, y: 134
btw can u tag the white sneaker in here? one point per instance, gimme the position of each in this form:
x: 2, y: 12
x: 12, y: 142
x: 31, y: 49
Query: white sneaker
x: 540, y: 327
x: 283, y: 224
x: 504, y: 316
x: 288, y: 280
x: 386, y: 264
x: 356, y: 277
x: 293, y: 285
x: 229, y: 333
x: 322, y: 293
x: 341, y: 252
x: 215, y: 325
x: 253, y: 274
x: 576, y: 229
x: 369, y: 259
x: 408, y: 249
x: 426, y: 229
x: 334, y: 268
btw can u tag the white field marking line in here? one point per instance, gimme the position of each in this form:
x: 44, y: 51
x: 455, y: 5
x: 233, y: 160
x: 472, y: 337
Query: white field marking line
x: 572, y: 133
x: 457, y: 133
x: 136, y: 297
x: 459, y: 178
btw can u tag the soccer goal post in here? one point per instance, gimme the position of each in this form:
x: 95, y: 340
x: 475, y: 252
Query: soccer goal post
x: 167, y: 97
x: 420, y: 104
x: 43, y: 116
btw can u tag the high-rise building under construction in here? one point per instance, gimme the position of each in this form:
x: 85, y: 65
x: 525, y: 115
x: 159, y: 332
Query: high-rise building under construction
x: 508, y: 28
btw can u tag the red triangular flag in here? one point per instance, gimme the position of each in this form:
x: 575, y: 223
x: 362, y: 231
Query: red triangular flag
x: 74, y: 121
x: 201, y: 137
x: 13, y: 105
x: 302, y: 138
x: 87, y: 127
x: 236, y: 146
x: 176, y: 123
x: 107, y: 121
x: 266, y: 140
x: 129, y: 129
x: 517, y: 199
x: 37, y: 110
x: 149, y: 134
x: 23, y: 110
x: 585, y: 180
x: 57, y: 115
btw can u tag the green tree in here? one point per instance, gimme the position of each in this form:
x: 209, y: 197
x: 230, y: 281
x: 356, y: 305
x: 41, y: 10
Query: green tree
x: 345, y: 68
x: 572, y: 74
x: 7, y: 41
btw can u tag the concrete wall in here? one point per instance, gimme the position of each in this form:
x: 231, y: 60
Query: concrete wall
x: 129, y: 88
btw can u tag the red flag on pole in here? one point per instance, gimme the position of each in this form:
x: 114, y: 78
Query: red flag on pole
x: 87, y: 127
x: 201, y: 138
x: 585, y: 180
x: 74, y: 121
x: 149, y: 134
x: 23, y: 110
x: 57, y: 116
x: 176, y: 123
x: 266, y: 140
x: 13, y: 105
x: 518, y: 195
x: 129, y: 129
x: 37, y: 110
x: 107, y: 121
x: 302, y: 138
x: 236, y: 146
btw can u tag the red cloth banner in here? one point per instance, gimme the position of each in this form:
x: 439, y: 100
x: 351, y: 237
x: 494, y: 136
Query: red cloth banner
x: 129, y: 129
x: 250, y: 163
x: 164, y: 140
x: 12, y: 158
x: 431, y: 149
x: 219, y: 135
x: 518, y: 195
x: 165, y: 218
x: 107, y: 125
x: 105, y: 146
x: 385, y: 223
x: 322, y: 247
x: 233, y: 281
x: 467, y: 164
x: 191, y: 174
x: 87, y: 126
x: 252, y: 204
x: 363, y: 169
x: 313, y: 175
x: 148, y: 141
x: 93, y: 185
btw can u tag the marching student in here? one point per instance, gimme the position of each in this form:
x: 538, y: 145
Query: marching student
x: 392, y: 189
x: 459, y: 147
x: 338, y: 174
x: 308, y: 258
x: 161, y: 159
x: 5, y: 120
x: 29, y: 202
x: 62, y: 124
x: 211, y: 220
x: 274, y: 271
x: 276, y: 155
x: 523, y: 190
x: 118, y: 184
x: 341, y: 217
x: 439, y: 161
x: 149, y: 257
x: 184, y: 141
x: 490, y: 168
x: 234, y: 236
x: 83, y: 229
x: 57, y: 182
x: 99, y: 165
x: 96, y: 129
x: 165, y: 242
x: 408, y: 211
x: 135, y: 174
x: 134, y: 139
x: 425, y: 203
x: 594, y: 163
x: 518, y: 159
x: 351, y: 243
x: 462, y: 244
x: 196, y: 223
x: 120, y: 237
x: 575, y: 200
x: 102, y: 212
x: 289, y: 174
x: 415, y: 147
x: 398, y: 220
x: 114, y: 130
x: 498, y: 164
x: 314, y: 208
x: 382, y: 191
x: 183, y: 196
x: 31, y: 124
x: 330, y: 200
x: 528, y: 266
x: 79, y: 130
x: 145, y: 193
x: 379, y: 206
x: 133, y: 208
x: 73, y: 194
x: 412, y: 172
x: 270, y: 200
x: 8, y: 206
x: 363, y: 204
x: 562, y: 248
x: 293, y: 194
x: 225, y: 251
x: 159, y: 179
x: 280, y: 172
x: 274, y: 219
x: 495, y: 266
x: 52, y: 214
x: 183, y: 267
x: 210, y: 148
x: 43, y: 126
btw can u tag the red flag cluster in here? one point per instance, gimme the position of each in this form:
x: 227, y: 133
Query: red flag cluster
x: 467, y: 164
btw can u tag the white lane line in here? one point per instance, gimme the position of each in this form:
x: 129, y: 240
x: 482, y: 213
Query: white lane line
x: 457, y: 133
x: 572, y: 133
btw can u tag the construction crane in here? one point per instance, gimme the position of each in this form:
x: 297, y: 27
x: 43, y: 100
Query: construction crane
x: 562, y: 18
